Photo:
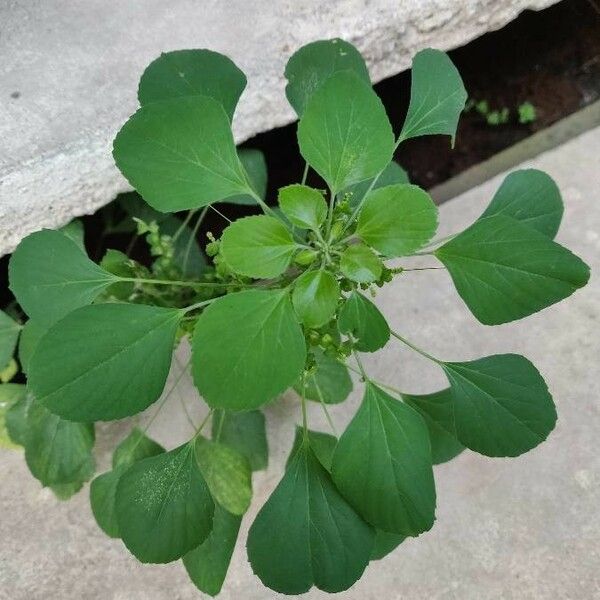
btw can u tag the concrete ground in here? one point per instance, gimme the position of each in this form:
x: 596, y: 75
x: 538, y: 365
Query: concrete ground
x: 524, y: 528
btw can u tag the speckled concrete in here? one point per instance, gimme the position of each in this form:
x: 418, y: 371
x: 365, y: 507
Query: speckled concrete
x: 524, y: 528
x: 69, y: 73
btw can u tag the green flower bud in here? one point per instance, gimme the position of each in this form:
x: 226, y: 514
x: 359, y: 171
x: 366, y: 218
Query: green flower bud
x: 305, y: 257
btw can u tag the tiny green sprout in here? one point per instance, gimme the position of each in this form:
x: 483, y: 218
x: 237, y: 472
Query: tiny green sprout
x: 527, y: 113
x: 283, y: 300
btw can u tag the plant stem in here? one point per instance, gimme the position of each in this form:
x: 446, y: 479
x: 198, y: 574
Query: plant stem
x: 323, y: 405
x: 360, y: 366
x: 184, y: 224
x: 424, y: 269
x: 220, y: 213
x: 305, y: 174
x: 196, y: 284
x: 193, y: 236
x: 204, y: 421
x: 303, y: 405
x: 415, y: 348
x: 198, y: 305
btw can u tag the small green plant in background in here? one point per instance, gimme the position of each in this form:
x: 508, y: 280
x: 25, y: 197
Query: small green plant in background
x: 525, y: 112
x: 281, y: 300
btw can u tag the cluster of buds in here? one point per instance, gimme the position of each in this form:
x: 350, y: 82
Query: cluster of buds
x: 161, y: 246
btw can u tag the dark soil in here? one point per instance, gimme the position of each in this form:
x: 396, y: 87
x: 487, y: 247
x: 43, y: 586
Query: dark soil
x: 549, y: 58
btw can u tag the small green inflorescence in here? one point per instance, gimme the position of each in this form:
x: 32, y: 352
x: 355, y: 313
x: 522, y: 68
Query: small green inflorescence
x: 282, y: 299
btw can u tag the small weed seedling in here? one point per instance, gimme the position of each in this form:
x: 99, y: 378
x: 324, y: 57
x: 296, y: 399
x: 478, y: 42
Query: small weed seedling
x: 281, y: 300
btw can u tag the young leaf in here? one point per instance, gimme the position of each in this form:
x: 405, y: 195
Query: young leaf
x: 193, y: 73
x: 393, y: 174
x: 57, y: 451
x: 118, y: 263
x: 136, y: 446
x: 304, y: 206
x: 119, y: 359
x: 398, y: 219
x: 330, y: 382
x: 9, y: 335
x: 207, y: 564
x: 244, y: 432
x: 103, y: 489
x: 247, y: 348
x: 301, y: 527
x: 437, y: 410
x: 259, y: 246
x: 385, y: 542
x: 382, y: 465
x: 361, y: 319
x: 322, y: 445
x: 505, y: 270
x: 501, y: 404
x: 179, y: 154
x: 359, y: 263
x: 529, y: 196
x: 227, y: 474
x: 437, y: 96
x: 315, y: 297
x: 310, y: 66
x: 51, y: 276
x: 344, y: 133
x: 255, y: 165
x: 163, y: 505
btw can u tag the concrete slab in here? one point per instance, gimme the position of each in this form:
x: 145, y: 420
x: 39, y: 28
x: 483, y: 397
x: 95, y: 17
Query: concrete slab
x: 525, y: 528
x: 69, y: 73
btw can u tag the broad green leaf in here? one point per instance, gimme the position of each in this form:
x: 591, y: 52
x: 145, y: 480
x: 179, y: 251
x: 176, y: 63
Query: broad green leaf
x: 136, y: 446
x: 437, y: 96
x: 119, y: 357
x: 103, y: 489
x: 14, y: 399
x: 398, y: 219
x: 501, y: 404
x: 9, y: 335
x: 310, y: 66
x: 306, y: 534
x: 304, y: 206
x: 51, y: 276
x: 244, y: 432
x: 344, y: 133
x: 329, y: 382
x: 187, y: 254
x: 179, y: 154
x: 163, y: 505
x: 385, y: 542
x: 193, y: 73
x: 359, y: 263
x: 322, y: 445
x: 74, y: 231
x: 382, y: 465
x: 505, y: 270
x: 315, y: 297
x: 529, y: 196
x: 207, y: 564
x: 30, y: 336
x: 227, y: 474
x: 247, y: 348
x: 259, y: 246
x: 361, y: 319
x: 393, y: 174
x: 57, y: 451
x: 255, y: 165
x: 437, y: 410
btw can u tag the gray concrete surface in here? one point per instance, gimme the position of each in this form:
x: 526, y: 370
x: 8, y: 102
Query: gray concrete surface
x: 69, y: 73
x: 524, y: 528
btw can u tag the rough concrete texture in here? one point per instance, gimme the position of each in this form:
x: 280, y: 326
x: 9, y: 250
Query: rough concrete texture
x: 69, y: 73
x: 525, y: 528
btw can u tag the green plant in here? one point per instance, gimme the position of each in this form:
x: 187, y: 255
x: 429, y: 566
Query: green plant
x: 526, y: 112
x: 279, y: 301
